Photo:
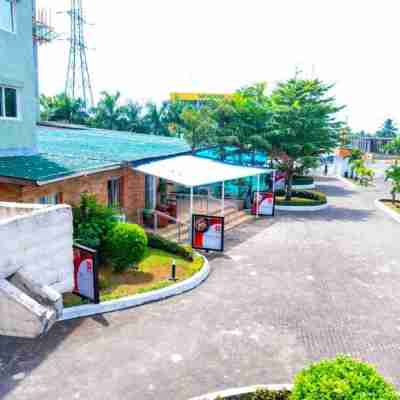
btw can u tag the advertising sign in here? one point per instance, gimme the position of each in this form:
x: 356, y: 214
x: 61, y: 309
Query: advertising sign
x: 85, y: 273
x: 265, y: 203
x: 280, y: 178
x: 208, y: 233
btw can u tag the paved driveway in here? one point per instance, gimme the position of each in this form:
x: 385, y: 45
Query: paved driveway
x: 287, y: 291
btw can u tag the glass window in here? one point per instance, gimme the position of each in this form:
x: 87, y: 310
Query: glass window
x: 10, y: 103
x: 114, y: 193
x: 7, y: 14
x: 51, y: 199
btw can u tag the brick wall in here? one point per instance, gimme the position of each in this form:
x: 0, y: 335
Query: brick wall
x: 10, y: 193
x: 133, y: 193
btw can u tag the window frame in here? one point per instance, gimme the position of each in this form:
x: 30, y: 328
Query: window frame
x: 56, y: 196
x: 115, y: 184
x: 13, y: 30
x: 3, y: 103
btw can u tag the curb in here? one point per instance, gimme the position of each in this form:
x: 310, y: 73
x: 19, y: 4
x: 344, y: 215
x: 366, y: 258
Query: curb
x: 239, y: 391
x: 393, y: 214
x: 303, y: 208
x: 138, y: 299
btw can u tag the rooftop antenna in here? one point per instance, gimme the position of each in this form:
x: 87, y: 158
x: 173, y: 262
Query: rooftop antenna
x: 78, y: 84
x: 43, y: 30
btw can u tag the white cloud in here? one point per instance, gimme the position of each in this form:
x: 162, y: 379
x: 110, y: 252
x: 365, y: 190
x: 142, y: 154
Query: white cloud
x: 149, y: 48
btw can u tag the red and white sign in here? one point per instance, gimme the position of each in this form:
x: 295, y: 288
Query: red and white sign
x: 264, y: 202
x: 208, y: 233
x: 85, y: 273
x: 280, y: 179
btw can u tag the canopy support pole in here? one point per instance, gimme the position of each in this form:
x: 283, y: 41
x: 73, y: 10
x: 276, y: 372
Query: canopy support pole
x: 191, y: 214
x: 223, y: 199
x: 258, y: 196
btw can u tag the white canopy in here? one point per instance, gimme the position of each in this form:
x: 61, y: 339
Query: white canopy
x: 192, y: 171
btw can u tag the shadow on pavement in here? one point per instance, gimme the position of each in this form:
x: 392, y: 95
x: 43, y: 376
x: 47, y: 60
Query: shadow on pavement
x: 19, y: 357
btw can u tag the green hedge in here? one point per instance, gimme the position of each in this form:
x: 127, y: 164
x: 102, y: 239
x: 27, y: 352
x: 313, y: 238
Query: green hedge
x: 160, y: 243
x: 342, y: 378
x: 126, y: 245
x: 303, y: 180
x: 301, y: 198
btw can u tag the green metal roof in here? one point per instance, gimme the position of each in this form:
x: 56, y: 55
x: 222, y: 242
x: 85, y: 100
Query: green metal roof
x: 64, y: 152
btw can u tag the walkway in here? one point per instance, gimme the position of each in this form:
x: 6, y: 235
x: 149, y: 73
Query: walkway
x: 287, y: 291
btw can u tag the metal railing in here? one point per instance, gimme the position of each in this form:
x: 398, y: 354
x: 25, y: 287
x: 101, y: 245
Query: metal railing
x: 155, y: 215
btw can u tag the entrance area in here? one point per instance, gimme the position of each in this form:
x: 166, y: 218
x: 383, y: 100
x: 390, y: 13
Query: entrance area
x: 179, y: 187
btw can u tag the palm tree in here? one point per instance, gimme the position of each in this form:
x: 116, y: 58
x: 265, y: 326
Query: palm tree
x: 153, y: 119
x: 393, y: 176
x: 108, y: 114
x: 131, y: 119
x: 62, y: 108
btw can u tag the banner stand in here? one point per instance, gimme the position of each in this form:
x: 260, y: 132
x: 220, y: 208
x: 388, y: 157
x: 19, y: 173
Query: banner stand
x: 86, y: 274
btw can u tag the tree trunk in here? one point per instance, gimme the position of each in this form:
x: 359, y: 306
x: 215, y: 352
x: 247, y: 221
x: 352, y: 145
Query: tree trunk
x: 394, y: 197
x: 289, y: 184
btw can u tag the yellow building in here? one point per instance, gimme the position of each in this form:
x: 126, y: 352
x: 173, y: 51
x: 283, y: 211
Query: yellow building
x: 195, y: 97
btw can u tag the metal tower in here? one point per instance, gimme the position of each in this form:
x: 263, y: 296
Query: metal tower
x: 78, y: 85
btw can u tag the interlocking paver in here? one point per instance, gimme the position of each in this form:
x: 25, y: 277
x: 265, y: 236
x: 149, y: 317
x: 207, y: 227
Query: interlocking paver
x: 287, y: 291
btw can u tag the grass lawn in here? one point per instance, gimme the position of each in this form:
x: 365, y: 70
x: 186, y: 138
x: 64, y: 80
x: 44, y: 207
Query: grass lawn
x: 297, y: 201
x: 394, y: 207
x: 151, y: 273
x: 302, y: 198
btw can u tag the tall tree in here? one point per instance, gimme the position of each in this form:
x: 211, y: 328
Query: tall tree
x: 108, y: 114
x: 244, y: 119
x: 394, y: 146
x: 388, y: 129
x: 131, y: 117
x: 393, y: 176
x: 153, y: 119
x: 62, y: 108
x: 303, y: 124
x: 197, y: 127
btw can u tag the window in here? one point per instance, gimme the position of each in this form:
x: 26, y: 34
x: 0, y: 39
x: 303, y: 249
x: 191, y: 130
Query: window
x: 7, y: 15
x: 8, y: 102
x: 114, y: 192
x: 51, y: 199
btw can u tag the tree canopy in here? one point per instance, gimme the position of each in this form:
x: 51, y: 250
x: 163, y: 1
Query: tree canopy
x: 388, y: 129
x: 304, y: 123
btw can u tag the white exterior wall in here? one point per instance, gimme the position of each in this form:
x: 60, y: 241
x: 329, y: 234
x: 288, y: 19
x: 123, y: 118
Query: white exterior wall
x: 37, y: 241
x: 341, y: 166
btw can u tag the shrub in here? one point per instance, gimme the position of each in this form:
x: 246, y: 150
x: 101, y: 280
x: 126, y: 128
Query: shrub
x: 92, y: 222
x: 342, y: 379
x: 160, y: 243
x: 263, y: 395
x: 318, y: 198
x: 303, y: 180
x: 126, y: 245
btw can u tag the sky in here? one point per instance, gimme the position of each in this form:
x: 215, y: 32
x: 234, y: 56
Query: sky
x: 149, y: 48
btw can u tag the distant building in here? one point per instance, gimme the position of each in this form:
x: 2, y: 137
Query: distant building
x: 56, y: 163
x: 18, y: 79
x: 197, y: 99
x: 371, y: 144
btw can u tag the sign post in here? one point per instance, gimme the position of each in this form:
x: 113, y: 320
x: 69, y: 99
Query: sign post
x: 86, y: 273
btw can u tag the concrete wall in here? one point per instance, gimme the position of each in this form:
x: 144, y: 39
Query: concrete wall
x: 17, y: 69
x: 37, y: 242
